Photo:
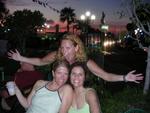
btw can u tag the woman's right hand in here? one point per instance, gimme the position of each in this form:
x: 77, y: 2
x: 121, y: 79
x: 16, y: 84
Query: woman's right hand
x: 15, y: 55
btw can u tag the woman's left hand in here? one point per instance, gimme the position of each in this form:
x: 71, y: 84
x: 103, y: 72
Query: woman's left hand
x: 131, y: 77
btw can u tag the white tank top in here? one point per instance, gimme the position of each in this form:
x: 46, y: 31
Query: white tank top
x: 45, y: 101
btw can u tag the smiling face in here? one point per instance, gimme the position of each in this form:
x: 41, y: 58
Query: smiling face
x: 61, y: 75
x: 72, y: 49
x: 77, y: 76
x: 68, y: 49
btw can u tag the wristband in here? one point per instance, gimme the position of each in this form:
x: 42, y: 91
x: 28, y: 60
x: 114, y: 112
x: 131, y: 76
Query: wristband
x: 124, y: 78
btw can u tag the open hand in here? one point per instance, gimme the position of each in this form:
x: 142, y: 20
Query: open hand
x: 134, y: 77
x: 15, y: 55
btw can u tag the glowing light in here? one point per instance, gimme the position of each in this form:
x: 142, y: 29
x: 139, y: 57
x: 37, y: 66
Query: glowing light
x: 93, y: 17
x: 88, y: 13
x: 104, y: 27
x: 108, y: 43
x: 82, y: 17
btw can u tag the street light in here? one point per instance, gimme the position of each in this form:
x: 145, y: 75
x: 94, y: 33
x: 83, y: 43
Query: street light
x: 87, y: 16
x: 93, y: 17
x: 87, y: 13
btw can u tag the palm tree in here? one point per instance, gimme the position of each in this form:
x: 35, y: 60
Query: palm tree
x: 67, y: 14
x: 4, y: 12
x: 2, y: 9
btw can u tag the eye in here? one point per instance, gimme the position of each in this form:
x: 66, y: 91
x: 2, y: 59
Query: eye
x: 66, y: 74
x: 58, y: 72
x: 67, y: 47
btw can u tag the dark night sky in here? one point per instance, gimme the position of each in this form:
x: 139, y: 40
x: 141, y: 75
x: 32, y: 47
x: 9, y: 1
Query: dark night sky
x: 110, y: 7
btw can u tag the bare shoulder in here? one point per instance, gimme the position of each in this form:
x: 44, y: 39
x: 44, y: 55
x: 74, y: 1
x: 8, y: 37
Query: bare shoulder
x: 90, y: 63
x: 67, y: 88
x: 90, y: 90
x: 39, y: 83
x: 90, y: 93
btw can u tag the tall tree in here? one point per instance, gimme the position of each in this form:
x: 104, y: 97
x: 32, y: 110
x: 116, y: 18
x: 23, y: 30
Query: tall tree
x: 21, y: 25
x: 67, y: 14
x: 3, y: 13
x: 139, y: 13
x: 2, y: 9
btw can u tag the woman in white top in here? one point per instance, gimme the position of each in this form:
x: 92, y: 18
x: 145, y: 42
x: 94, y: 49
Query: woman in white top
x: 49, y: 97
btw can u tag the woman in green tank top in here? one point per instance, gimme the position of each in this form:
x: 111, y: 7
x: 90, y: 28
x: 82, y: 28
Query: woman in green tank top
x: 85, y: 100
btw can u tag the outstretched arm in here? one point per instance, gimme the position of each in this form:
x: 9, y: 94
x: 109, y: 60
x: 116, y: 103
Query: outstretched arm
x: 95, y: 69
x: 15, y: 55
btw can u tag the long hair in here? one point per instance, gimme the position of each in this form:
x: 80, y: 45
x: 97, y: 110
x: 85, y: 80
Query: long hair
x: 85, y: 69
x: 80, y: 55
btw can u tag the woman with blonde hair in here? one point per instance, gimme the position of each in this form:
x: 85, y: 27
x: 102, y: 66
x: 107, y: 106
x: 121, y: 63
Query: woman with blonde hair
x: 72, y: 49
x: 80, y: 54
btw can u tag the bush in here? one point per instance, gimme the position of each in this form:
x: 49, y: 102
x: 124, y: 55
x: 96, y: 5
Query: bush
x: 121, y: 101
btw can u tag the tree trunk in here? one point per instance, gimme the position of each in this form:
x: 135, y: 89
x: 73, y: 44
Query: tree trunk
x: 147, y: 77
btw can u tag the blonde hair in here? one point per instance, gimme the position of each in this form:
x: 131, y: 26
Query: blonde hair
x: 80, y: 55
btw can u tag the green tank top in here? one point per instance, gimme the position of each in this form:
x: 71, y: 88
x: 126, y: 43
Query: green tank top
x: 84, y: 109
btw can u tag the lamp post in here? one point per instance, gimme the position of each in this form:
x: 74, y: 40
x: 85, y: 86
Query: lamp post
x: 87, y: 17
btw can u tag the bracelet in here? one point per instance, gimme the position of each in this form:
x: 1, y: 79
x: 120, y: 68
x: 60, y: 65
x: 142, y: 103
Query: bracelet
x: 124, y: 78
